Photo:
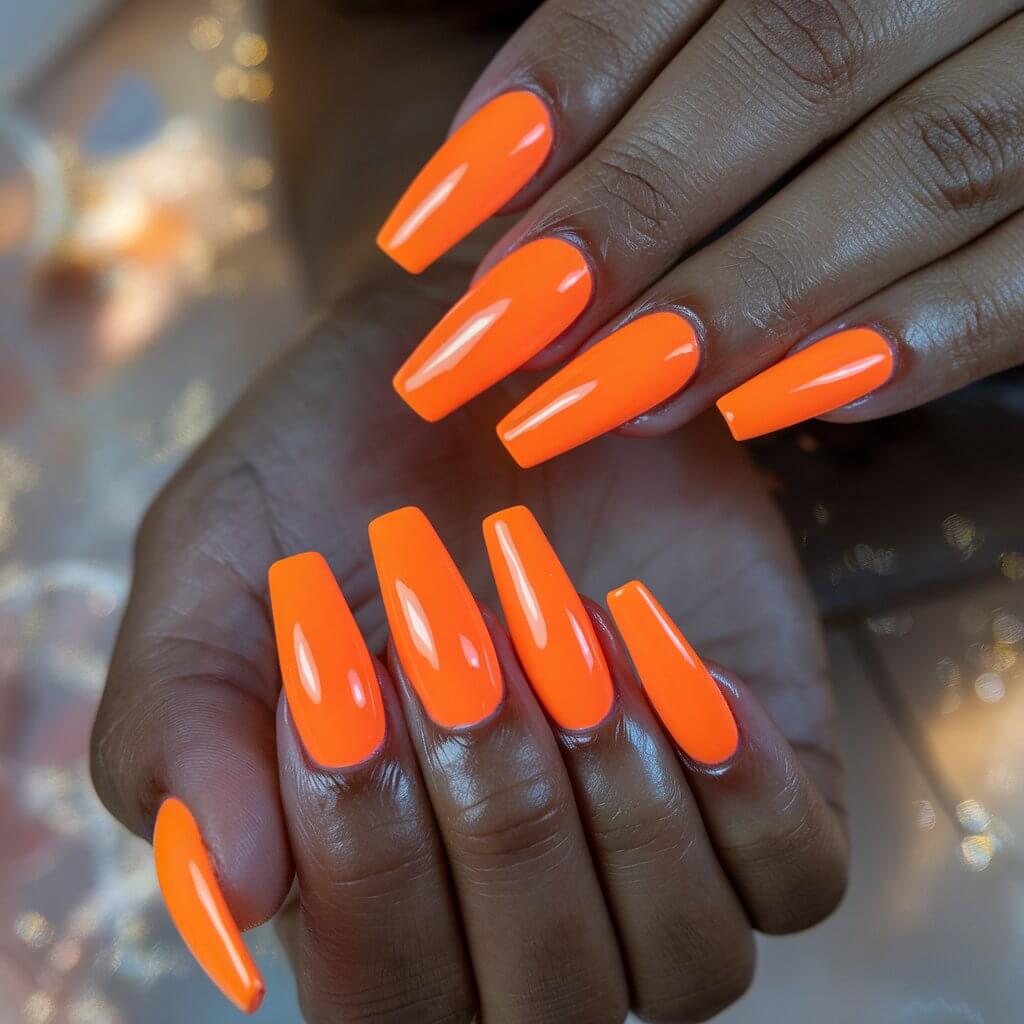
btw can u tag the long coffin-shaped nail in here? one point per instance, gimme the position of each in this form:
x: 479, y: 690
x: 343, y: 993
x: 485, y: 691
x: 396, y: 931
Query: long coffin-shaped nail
x: 622, y: 376
x: 682, y: 691
x: 522, y: 304
x: 550, y: 628
x: 824, y: 376
x: 479, y: 169
x: 328, y: 674
x: 198, y: 908
x: 439, y: 633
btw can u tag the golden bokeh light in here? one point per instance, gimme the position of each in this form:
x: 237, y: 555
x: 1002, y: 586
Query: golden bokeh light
x: 255, y: 173
x: 250, y: 49
x: 206, y: 33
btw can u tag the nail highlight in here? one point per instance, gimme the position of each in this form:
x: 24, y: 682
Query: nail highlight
x: 622, y: 376
x: 438, y: 631
x: 473, y: 175
x: 521, y: 305
x: 824, y: 376
x: 329, y: 677
x: 198, y: 909
x: 680, y: 688
x: 550, y: 629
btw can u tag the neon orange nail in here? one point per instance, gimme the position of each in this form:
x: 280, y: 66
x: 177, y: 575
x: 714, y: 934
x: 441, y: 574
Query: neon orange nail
x: 198, y: 909
x: 477, y: 170
x: 681, y: 690
x: 622, y: 376
x: 550, y: 628
x: 328, y: 674
x: 439, y: 633
x: 824, y: 376
x: 517, y: 308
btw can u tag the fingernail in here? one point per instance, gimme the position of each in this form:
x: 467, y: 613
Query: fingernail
x: 824, y: 376
x: 328, y: 674
x: 522, y: 304
x: 477, y: 170
x: 622, y: 376
x: 198, y: 909
x: 681, y: 690
x: 438, y: 631
x: 551, y: 630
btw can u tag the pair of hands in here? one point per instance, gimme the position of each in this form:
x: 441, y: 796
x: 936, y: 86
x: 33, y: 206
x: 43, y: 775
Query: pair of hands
x: 313, y: 453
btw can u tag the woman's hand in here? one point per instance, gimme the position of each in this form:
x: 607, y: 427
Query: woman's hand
x: 512, y: 869
x: 887, y: 135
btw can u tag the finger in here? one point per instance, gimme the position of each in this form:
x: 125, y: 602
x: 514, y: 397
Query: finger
x: 541, y: 942
x: 951, y: 324
x: 686, y: 940
x: 186, y: 726
x: 533, y: 113
x: 360, y: 823
x: 782, y: 844
x: 928, y: 172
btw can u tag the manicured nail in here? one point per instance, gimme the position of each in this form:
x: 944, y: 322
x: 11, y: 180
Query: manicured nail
x: 824, y: 376
x: 681, y: 690
x: 439, y: 633
x: 523, y: 303
x: 328, y: 674
x: 479, y: 169
x: 198, y: 909
x: 550, y: 628
x: 622, y: 376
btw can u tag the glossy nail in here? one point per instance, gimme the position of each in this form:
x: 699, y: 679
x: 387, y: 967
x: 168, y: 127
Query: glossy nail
x: 551, y: 630
x: 521, y: 305
x: 824, y: 376
x: 198, y: 909
x: 439, y: 634
x: 329, y: 677
x: 622, y: 376
x: 680, y: 688
x: 472, y: 176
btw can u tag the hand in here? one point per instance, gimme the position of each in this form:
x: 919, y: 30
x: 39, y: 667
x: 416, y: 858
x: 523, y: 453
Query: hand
x: 578, y: 867
x: 888, y: 137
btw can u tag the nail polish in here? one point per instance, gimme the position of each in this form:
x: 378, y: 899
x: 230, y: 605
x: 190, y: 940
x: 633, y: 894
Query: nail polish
x: 440, y: 636
x: 550, y: 629
x: 328, y: 674
x: 521, y: 305
x: 198, y: 908
x: 481, y: 166
x: 680, y: 688
x: 632, y: 370
x: 824, y: 376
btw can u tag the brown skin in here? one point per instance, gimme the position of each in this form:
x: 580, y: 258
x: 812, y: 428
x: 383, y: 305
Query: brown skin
x: 904, y: 120
x: 515, y: 871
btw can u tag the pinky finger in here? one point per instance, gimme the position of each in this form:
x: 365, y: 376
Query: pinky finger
x: 955, y: 322
x: 780, y: 841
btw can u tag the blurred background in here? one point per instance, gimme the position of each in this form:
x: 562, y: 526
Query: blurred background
x: 146, y: 277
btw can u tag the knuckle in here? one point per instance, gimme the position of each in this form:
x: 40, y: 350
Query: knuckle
x: 640, y: 197
x: 959, y: 151
x: 721, y: 978
x: 772, y: 282
x: 978, y: 318
x: 522, y: 821
x: 420, y: 985
x: 820, y: 49
x: 596, y: 27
